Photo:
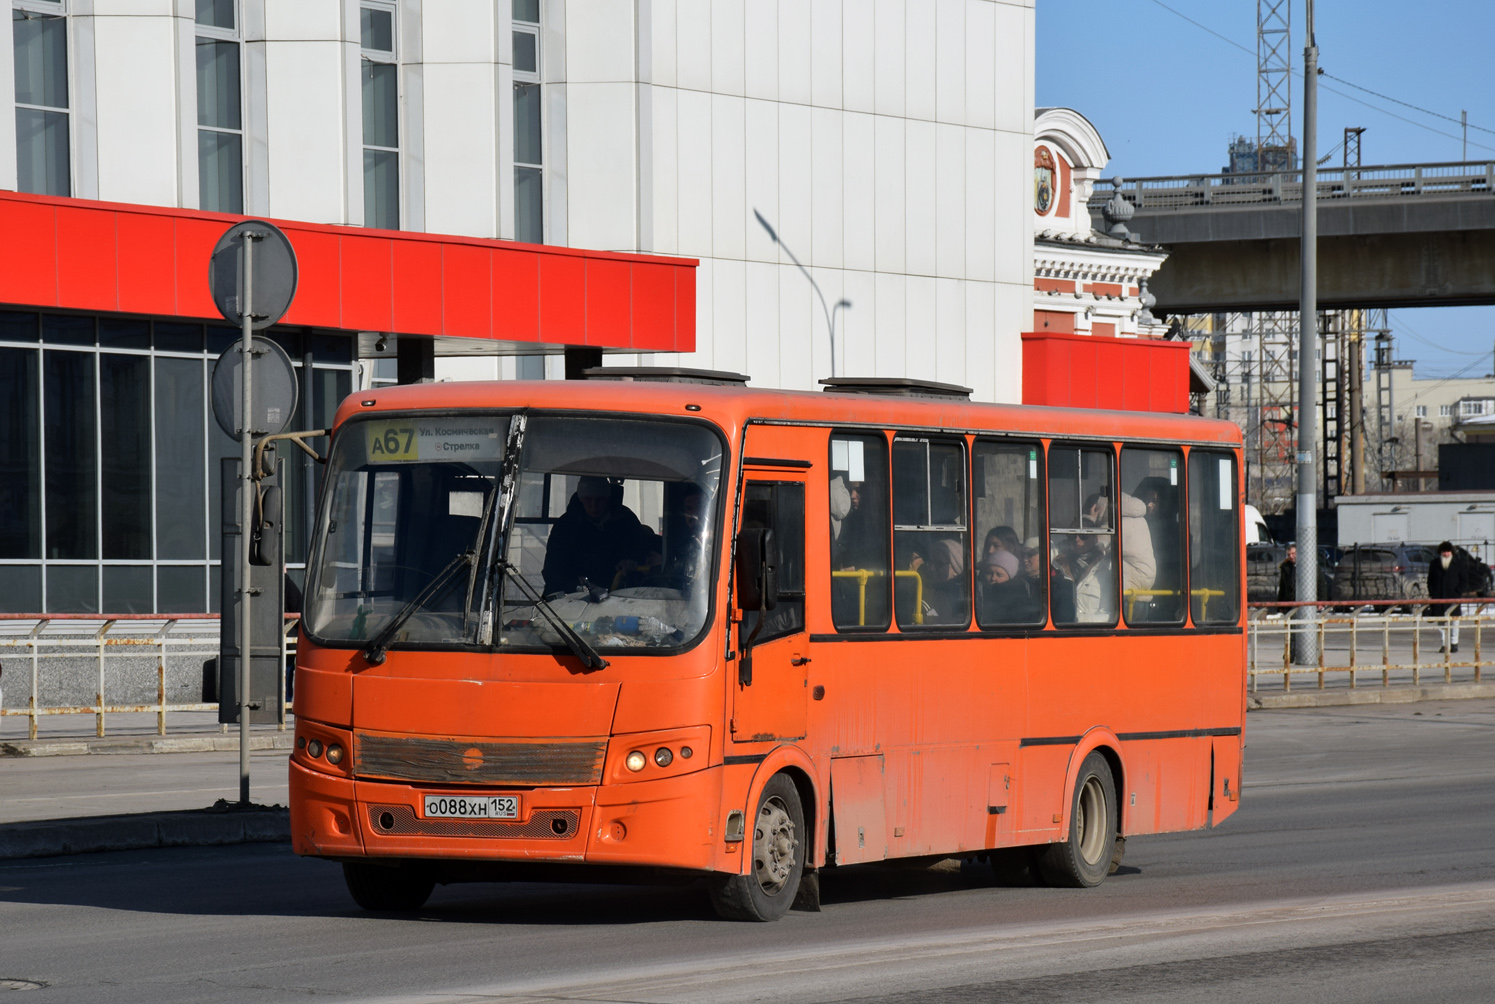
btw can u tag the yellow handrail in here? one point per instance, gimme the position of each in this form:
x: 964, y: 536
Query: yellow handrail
x: 863, y: 574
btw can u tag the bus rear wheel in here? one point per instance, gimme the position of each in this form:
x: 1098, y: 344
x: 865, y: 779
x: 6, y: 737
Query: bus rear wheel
x: 1085, y: 858
x: 767, y: 892
x: 385, y: 889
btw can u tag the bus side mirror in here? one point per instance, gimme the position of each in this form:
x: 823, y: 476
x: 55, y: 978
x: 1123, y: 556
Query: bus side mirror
x: 265, y: 543
x: 757, y: 579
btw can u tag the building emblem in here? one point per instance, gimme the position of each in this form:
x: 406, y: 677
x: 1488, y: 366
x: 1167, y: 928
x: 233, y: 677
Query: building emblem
x: 1043, y: 180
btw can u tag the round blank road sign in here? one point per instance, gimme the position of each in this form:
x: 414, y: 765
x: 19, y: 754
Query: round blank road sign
x: 274, y: 389
x: 274, y: 273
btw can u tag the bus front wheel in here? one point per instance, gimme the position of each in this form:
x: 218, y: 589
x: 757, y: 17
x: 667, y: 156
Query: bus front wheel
x: 767, y: 891
x: 385, y: 889
x: 1085, y: 858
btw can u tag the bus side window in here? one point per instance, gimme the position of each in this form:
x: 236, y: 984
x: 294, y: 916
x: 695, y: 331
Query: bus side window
x: 1082, y: 536
x: 861, y: 591
x: 931, y: 546
x: 1007, y: 486
x: 1152, y: 563
x: 1214, y: 546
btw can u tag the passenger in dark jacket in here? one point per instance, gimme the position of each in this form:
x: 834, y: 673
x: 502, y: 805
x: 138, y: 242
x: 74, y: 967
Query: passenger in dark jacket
x: 1448, y: 579
x: 1287, y: 576
x: 598, y: 538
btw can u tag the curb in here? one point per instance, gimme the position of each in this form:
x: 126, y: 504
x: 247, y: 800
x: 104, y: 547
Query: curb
x: 1379, y: 695
x: 143, y: 744
x: 147, y: 830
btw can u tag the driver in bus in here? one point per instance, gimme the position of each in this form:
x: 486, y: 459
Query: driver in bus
x: 598, y: 539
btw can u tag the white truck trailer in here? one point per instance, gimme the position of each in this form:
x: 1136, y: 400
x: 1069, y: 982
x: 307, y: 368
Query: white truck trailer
x: 1466, y: 518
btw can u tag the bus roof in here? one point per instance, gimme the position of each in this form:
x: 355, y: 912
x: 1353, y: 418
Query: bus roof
x: 732, y: 406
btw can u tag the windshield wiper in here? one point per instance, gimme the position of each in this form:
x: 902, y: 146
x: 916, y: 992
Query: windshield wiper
x: 576, y: 643
x: 374, y: 654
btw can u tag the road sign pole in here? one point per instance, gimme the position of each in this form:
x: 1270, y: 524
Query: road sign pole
x: 246, y: 508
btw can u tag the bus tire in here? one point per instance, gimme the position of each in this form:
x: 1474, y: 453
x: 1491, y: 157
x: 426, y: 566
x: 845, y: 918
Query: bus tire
x: 382, y: 889
x: 768, y: 890
x: 1085, y: 858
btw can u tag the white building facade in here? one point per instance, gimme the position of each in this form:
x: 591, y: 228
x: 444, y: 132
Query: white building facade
x: 885, y: 141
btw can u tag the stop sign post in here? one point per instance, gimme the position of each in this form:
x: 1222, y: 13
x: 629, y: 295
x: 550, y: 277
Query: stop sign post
x: 252, y: 277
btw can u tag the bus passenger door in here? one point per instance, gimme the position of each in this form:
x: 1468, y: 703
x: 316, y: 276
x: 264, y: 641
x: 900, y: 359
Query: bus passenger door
x: 772, y: 645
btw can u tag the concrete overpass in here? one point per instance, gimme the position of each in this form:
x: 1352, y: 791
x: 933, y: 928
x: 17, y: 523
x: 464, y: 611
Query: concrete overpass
x: 1394, y: 236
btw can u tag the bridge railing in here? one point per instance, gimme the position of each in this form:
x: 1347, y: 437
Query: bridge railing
x: 1390, y: 181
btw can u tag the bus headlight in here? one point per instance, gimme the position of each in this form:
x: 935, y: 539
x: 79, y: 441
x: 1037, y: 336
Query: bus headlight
x: 635, y: 761
x: 663, y: 756
x: 334, y: 754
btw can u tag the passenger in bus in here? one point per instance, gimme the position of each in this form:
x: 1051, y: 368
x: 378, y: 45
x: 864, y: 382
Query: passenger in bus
x: 685, y: 541
x: 1004, y: 592
x: 942, y: 573
x: 1161, y: 500
x: 598, y: 538
x: 859, y: 544
x: 1089, y: 566
x: 1001, y: 538
x: 1139, y: 566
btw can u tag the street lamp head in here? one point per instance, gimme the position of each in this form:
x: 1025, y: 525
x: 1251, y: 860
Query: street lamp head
x: 843, y: 303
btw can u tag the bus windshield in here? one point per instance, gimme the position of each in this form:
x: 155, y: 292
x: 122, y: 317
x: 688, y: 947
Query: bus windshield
x: 409, y: 497
x: 612, y: 532
x: 614, y: 525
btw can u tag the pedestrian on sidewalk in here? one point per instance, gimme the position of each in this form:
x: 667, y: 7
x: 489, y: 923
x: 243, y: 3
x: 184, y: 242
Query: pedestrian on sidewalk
x: 1448, y: 579
x: 1287, y: 576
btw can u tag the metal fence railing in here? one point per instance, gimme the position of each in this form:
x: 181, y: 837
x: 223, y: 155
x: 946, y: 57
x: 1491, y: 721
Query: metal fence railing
x: 1390, y: 181
x: 1366, y: 643
x: 73, y: 664
x: 1379, y: 643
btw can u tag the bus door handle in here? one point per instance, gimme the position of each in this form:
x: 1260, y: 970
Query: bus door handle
x: 800, y: 660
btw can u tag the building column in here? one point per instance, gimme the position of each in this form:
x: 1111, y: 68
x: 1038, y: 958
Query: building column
x: 580, y: 359
x: 415, y: 360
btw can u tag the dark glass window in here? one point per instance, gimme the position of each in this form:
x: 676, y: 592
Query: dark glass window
x: 20, y: 458
x: 71, y: 461
x: 173, y: 337
x: 42, y: 143
x: 1152, y: 544
x: 1082, y: 536
x: 180, y: 411
x: 127, y: 590
x: 20, y: 589
x: 73, y: 589
x: 861, y: 583
x: 216, y: 13
x: 16, y: 327
x: 67, y: 329
x: 377, y: 29
x: 1214, y: 543
x: 124, y: 334
x: 125, y: 454
x: 179, y: 589
x: 1007, y: 486
x: 931, y: 542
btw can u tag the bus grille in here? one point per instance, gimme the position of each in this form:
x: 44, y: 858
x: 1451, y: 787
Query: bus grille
x: 546, y: 824
x: 462, y: 761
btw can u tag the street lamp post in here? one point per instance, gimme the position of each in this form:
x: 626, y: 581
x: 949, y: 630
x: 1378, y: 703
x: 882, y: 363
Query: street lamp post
x: 830, y: 312
x: 1305, y: 643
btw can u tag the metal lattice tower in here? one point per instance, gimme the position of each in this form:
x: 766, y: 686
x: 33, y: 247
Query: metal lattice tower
x: 1274, y: 80
x: 1352, y: 145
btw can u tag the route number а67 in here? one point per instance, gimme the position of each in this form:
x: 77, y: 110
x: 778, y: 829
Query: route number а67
x: 388, y: 441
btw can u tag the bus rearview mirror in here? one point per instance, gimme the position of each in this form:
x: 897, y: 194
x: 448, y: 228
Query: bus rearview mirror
x: 757, y: 579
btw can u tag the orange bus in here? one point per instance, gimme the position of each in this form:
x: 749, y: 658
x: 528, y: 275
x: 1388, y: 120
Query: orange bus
x: 668, y: 625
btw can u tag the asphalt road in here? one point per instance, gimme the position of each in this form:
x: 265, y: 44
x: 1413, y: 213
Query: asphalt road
x: 1361, y: 866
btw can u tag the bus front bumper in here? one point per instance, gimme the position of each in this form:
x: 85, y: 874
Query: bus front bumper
x: 668, y: 822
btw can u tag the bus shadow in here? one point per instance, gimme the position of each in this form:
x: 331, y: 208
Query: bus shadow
x: 268, y: 881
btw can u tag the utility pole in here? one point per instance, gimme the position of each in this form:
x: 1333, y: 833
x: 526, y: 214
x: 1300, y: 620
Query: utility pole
x: 1357, y: 406
x: 1305, y: 642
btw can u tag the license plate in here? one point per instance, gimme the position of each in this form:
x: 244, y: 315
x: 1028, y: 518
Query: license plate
x: 468, y: 807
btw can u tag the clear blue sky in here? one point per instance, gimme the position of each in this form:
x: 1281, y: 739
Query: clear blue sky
x: 1167, y: 95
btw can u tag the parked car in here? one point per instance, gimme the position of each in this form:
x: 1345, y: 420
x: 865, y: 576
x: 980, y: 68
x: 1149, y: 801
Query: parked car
x: 1263, y: 569
x: 1399, y: 571
x: 1383, y: 572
